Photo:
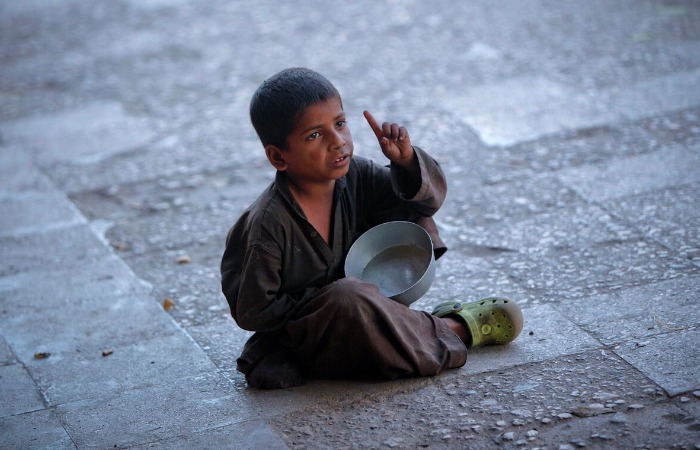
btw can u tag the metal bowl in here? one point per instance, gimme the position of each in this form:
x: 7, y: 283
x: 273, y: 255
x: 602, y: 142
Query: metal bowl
x: 396, y: 256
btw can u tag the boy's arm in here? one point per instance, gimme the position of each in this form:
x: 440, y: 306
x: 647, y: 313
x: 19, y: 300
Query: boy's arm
x: 415, y: 176
x: 425, y: 187
x: 414, y: 187
x: 250, y: 280
x: 381, y: 197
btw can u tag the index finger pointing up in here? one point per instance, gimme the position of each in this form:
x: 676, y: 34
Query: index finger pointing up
x: 374, y: 125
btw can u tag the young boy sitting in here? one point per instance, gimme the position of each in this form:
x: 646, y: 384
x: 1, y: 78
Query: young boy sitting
x: 282, y: 270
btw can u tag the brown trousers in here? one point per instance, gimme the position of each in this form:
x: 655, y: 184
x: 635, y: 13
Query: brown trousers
x: 351, y: 330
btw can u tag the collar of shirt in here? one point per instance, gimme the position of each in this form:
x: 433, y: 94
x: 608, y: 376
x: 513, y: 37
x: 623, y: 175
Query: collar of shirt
x: 334, y: 251
x: 282, y: 183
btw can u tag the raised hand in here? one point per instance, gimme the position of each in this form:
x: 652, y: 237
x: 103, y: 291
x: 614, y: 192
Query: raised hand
x: 394, y: 141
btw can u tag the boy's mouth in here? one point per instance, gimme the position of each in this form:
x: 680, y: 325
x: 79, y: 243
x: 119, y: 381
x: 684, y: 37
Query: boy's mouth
x: 340, y: 160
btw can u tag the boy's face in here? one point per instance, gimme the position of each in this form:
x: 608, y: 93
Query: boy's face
x: 320, y: 146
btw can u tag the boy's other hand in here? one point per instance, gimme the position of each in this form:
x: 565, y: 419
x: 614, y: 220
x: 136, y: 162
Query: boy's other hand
x: 394, y: 141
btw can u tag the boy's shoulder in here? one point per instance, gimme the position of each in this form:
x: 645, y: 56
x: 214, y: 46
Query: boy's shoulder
x: 267, y: 206
x: 273, y: 203
x: 262, y: 222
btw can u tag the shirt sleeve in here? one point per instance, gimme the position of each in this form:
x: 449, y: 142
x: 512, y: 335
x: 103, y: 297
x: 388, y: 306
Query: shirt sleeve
x: 395, y: 194
x: 431, y: 187
x: 259, y: 305
x: 251, y: 279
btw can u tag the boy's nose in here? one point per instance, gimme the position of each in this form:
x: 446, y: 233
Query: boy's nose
x: 338, y: 140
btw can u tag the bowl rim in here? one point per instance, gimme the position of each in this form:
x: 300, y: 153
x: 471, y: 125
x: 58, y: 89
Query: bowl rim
x: 407, y: 295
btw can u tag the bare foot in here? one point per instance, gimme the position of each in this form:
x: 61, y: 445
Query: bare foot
x: 460, y: 329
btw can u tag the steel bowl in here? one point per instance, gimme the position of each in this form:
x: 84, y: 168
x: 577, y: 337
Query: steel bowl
x: 396, y: 256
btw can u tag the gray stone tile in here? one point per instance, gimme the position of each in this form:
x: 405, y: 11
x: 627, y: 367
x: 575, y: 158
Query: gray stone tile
x: 161, y: 360
x: 315, y: 393
x: 19, y: 392
x: 195, y: 288
x: 155, y: 4
x: 444, y: 136
x: 32, y: 212
x: 87, y: 326
x: 664, y: 168
x: 69, y: 247
x: 679, y: 127
x: 468, y: 278
x: 518, y: 109
x: 471, y: 202
x: 402, y: 421
x: 602, y: 267
x: 528, y: 107
x: 670, y: 215
x: 6, y: 354
x: 154, y: 413
x: 601, y: 377
x: 577, y: 147
x: 12, y: 9
x: 223, y: 342
x: 123, y: 318
x: 71, y: 287
x: 637, y: 313
x: 670, y: 359
x: 654, y: 95
x: 249, y: 435
x: 18, y: 173
x: 655, y: 426
x: 690, y: 403
x: 83, y: 135
x: 458, y: 410
x: 546, y: 335
x: 557, y: 229
x: 176, y: 229
x: 224, y: 193
x: 172, y: 158
x: 35, y: 430
x: 588, y: 146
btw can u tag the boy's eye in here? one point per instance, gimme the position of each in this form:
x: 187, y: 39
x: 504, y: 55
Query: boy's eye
x: 340, y: 124
x: 313, y: 136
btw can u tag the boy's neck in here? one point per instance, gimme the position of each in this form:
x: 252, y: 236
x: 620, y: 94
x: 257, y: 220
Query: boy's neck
x: 316, y: 200
x: 311, y: 192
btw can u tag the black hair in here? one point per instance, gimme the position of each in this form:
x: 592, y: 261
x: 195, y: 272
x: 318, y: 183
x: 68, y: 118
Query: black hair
x: 280, y: 100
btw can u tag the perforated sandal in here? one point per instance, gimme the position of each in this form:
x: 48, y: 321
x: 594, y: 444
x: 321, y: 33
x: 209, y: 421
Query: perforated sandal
x: 490, y: 321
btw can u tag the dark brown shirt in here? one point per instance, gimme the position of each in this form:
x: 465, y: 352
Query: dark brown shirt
x: 275, y: 260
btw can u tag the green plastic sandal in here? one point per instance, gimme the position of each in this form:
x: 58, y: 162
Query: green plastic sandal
x: 491, y: 321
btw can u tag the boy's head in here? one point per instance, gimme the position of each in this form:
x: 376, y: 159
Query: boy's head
x: 281, y: 99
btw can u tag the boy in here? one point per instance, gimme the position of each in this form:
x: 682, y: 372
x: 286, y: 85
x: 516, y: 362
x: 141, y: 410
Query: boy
x: 282, y: 270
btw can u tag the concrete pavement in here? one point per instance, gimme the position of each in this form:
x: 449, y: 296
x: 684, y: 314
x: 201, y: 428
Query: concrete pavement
x: 570, y: 133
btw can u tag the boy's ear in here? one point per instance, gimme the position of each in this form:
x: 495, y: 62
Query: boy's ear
x: 276, y: 157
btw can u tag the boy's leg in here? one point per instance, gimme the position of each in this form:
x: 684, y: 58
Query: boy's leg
x: 350, y: 329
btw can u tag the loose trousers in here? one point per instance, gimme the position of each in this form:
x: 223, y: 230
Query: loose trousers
x: 349, y: 329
